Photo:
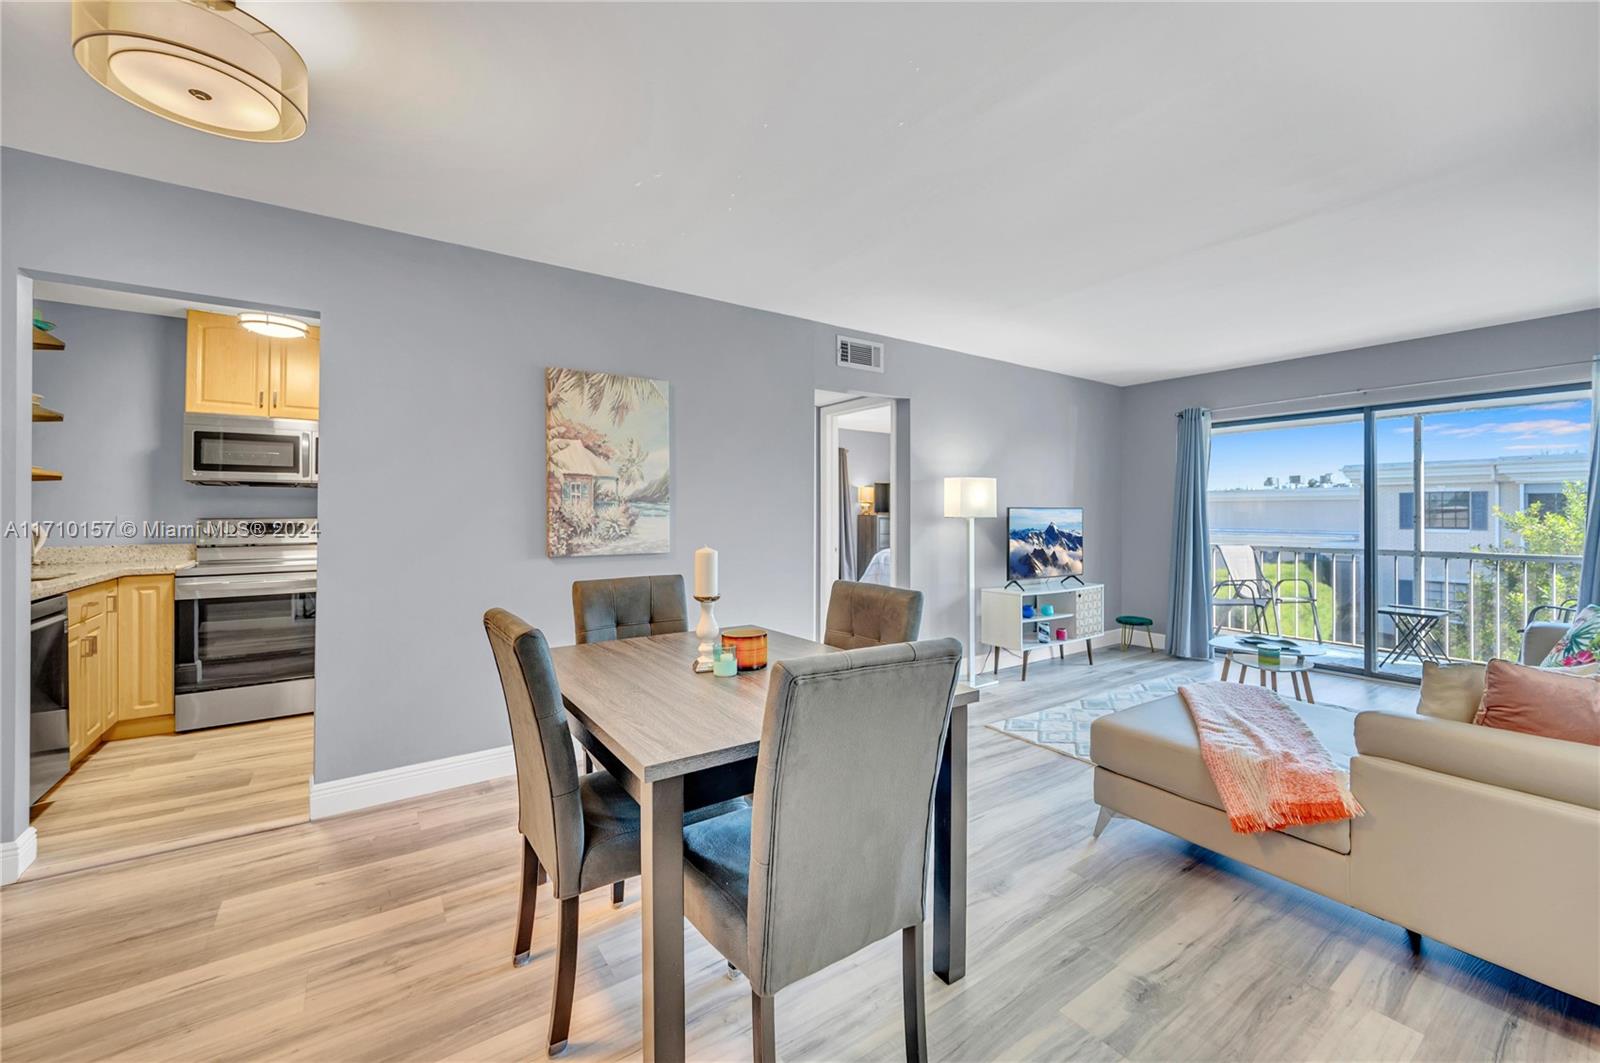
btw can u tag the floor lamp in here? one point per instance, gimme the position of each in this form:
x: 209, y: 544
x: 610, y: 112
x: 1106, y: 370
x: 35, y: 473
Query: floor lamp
x: 971, y: 497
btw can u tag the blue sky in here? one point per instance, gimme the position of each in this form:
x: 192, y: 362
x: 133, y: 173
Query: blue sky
x: 1244, y: 459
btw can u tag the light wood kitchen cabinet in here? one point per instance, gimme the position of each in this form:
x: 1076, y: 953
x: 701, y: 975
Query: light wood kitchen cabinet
x: 91, y: 667
x: 294, y: 373
x: 228, y: 369
x: 119, y: 660
x: 233, y: 370
x: 144, y: 614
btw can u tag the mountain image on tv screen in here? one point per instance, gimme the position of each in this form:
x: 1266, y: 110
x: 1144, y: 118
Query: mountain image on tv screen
x: 1044, y: 543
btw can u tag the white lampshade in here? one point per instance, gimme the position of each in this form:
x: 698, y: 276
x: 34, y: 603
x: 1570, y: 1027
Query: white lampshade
x: 276, y: 326
x: 201, y: 63
x: 969, y: 496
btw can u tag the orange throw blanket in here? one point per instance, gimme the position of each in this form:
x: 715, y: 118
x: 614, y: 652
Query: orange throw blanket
x: 1270, y: 770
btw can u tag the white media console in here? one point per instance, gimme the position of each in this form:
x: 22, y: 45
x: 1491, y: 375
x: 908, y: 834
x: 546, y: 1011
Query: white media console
x: 1079, y: 614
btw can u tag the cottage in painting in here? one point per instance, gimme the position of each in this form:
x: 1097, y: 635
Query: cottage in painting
x: 588, y: 484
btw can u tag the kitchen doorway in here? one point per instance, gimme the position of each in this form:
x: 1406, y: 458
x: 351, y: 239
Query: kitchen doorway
x: 176, y: 448
x: 862, y: 530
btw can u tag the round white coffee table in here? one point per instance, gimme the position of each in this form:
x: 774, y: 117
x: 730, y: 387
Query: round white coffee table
x: 1295, y: 660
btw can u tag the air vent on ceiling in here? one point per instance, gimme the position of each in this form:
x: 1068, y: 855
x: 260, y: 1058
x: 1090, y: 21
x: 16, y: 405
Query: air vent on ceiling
x: 860, y: 354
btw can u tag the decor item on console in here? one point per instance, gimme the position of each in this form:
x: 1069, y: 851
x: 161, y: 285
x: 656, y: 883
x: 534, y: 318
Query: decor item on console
x: 608, y: 472
x: 971, y: 497
x: 705, y: 592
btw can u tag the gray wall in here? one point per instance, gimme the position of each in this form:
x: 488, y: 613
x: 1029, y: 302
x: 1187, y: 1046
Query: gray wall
x: 1049, y: 441
x: 431, y: 500
x: 120, y: 386
x: 1437, y: 366
x: 869, y: 456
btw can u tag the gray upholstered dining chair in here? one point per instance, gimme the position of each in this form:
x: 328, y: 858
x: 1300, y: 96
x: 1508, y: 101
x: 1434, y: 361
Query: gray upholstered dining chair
x: 869, y: 614
x: 580, y: 830
x: 628, y: 607
x: 833, y: 853
x: 625, y: 608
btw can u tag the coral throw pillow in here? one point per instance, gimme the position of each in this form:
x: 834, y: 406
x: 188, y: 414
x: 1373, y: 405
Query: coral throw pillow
x: 1580, y: 646
x: 1539, y: 701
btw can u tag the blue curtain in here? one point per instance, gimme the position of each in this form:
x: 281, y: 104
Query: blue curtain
x: 1189, y: 620
x: 1589, y: 582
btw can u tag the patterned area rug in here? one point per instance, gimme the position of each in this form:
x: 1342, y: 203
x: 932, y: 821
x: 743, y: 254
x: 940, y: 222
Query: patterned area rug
x: 1065, y: 728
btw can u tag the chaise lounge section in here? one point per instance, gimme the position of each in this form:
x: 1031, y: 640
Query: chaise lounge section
x: 1484, y: 839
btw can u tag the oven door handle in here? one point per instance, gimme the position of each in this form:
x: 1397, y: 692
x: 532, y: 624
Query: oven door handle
x: 198, y: 588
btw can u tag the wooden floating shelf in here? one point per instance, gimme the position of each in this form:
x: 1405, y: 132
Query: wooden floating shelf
x: 40, y: 475
x: 44, y: 341
x: 44, y: 413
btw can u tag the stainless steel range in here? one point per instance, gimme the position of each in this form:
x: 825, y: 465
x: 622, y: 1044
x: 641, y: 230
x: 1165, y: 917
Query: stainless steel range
x: 247, y: 622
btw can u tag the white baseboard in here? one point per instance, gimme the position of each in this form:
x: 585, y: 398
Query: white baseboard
x: 15, y: 857
x: 338, y: 796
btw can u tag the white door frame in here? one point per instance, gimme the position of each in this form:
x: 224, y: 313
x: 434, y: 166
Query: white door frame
x: 827, y: 559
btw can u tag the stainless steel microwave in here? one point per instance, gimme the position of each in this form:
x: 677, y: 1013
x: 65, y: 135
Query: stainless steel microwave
x: 219, y: 449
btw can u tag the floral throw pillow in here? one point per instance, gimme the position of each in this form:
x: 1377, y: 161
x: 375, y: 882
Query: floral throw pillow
x: 1580, y: 646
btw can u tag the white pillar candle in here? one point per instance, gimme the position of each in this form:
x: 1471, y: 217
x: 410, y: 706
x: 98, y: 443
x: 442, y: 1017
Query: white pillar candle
x: 705, y: 573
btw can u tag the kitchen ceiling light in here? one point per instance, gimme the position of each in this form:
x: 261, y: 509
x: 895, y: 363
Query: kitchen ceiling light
x: 201, y: 63
x: 275, y: 326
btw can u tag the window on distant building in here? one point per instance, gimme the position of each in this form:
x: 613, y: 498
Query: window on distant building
x: 1448, y: 510
x: 1550, y: 497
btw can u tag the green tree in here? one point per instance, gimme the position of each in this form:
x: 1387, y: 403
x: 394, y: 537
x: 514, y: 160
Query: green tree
x: 1519, y: 587
x: 1556, y: 532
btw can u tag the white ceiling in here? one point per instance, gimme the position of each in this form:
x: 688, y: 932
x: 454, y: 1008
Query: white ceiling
x: 872, y: 419
x: 1124, y: 191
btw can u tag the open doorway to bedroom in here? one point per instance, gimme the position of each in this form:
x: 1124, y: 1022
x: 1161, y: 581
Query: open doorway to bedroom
x: 860, y: 459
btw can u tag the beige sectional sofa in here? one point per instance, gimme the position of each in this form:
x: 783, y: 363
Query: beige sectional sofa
x: 1483, y: 839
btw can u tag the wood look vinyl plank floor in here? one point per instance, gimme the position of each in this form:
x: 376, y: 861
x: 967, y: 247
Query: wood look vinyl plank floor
x: 139, y: 796
x: 387, y: 934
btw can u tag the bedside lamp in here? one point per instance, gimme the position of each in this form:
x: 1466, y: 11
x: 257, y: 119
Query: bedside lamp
x: 971, y: 497
x: 865, y: 496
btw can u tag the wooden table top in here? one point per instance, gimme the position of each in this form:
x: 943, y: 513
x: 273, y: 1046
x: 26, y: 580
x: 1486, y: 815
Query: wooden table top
x: 644, y: 700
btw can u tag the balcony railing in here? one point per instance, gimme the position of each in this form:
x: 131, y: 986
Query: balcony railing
x: 1489, y: 594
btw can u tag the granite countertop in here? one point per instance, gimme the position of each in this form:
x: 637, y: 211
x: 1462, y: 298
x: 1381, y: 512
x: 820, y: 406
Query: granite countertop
x: 59, y: 569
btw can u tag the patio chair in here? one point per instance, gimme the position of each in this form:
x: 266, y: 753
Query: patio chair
x: 1245, y: 585
x: 1247, y: 580
x: 1561, y: 614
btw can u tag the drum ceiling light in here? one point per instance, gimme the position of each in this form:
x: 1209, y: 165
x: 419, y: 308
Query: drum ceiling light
x: 277, y: 326
x: 201, y: 63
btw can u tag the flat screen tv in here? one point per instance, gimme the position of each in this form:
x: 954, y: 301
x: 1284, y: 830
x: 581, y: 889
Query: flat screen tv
x: 1044, y: 543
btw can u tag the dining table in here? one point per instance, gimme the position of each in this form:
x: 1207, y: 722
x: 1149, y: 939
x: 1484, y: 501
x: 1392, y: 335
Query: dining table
x: 677, y: 740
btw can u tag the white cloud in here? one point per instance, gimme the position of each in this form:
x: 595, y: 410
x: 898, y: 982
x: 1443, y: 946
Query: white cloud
x: 1554, y: 426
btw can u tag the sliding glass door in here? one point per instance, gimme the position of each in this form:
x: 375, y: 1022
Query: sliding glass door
x: 1479, y: 522
x: 1287, y: 542
x: 1400, y: 535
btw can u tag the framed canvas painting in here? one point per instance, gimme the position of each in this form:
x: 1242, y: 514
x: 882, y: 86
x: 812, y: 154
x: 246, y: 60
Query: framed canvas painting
x: 608, y: 470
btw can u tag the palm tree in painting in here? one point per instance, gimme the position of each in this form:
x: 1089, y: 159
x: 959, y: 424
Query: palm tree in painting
x: 630, y: 464
x: 615, y: 392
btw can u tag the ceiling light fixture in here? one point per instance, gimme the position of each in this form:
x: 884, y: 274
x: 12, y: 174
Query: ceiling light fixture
x: 201, y: 63
x: 276, y: 326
